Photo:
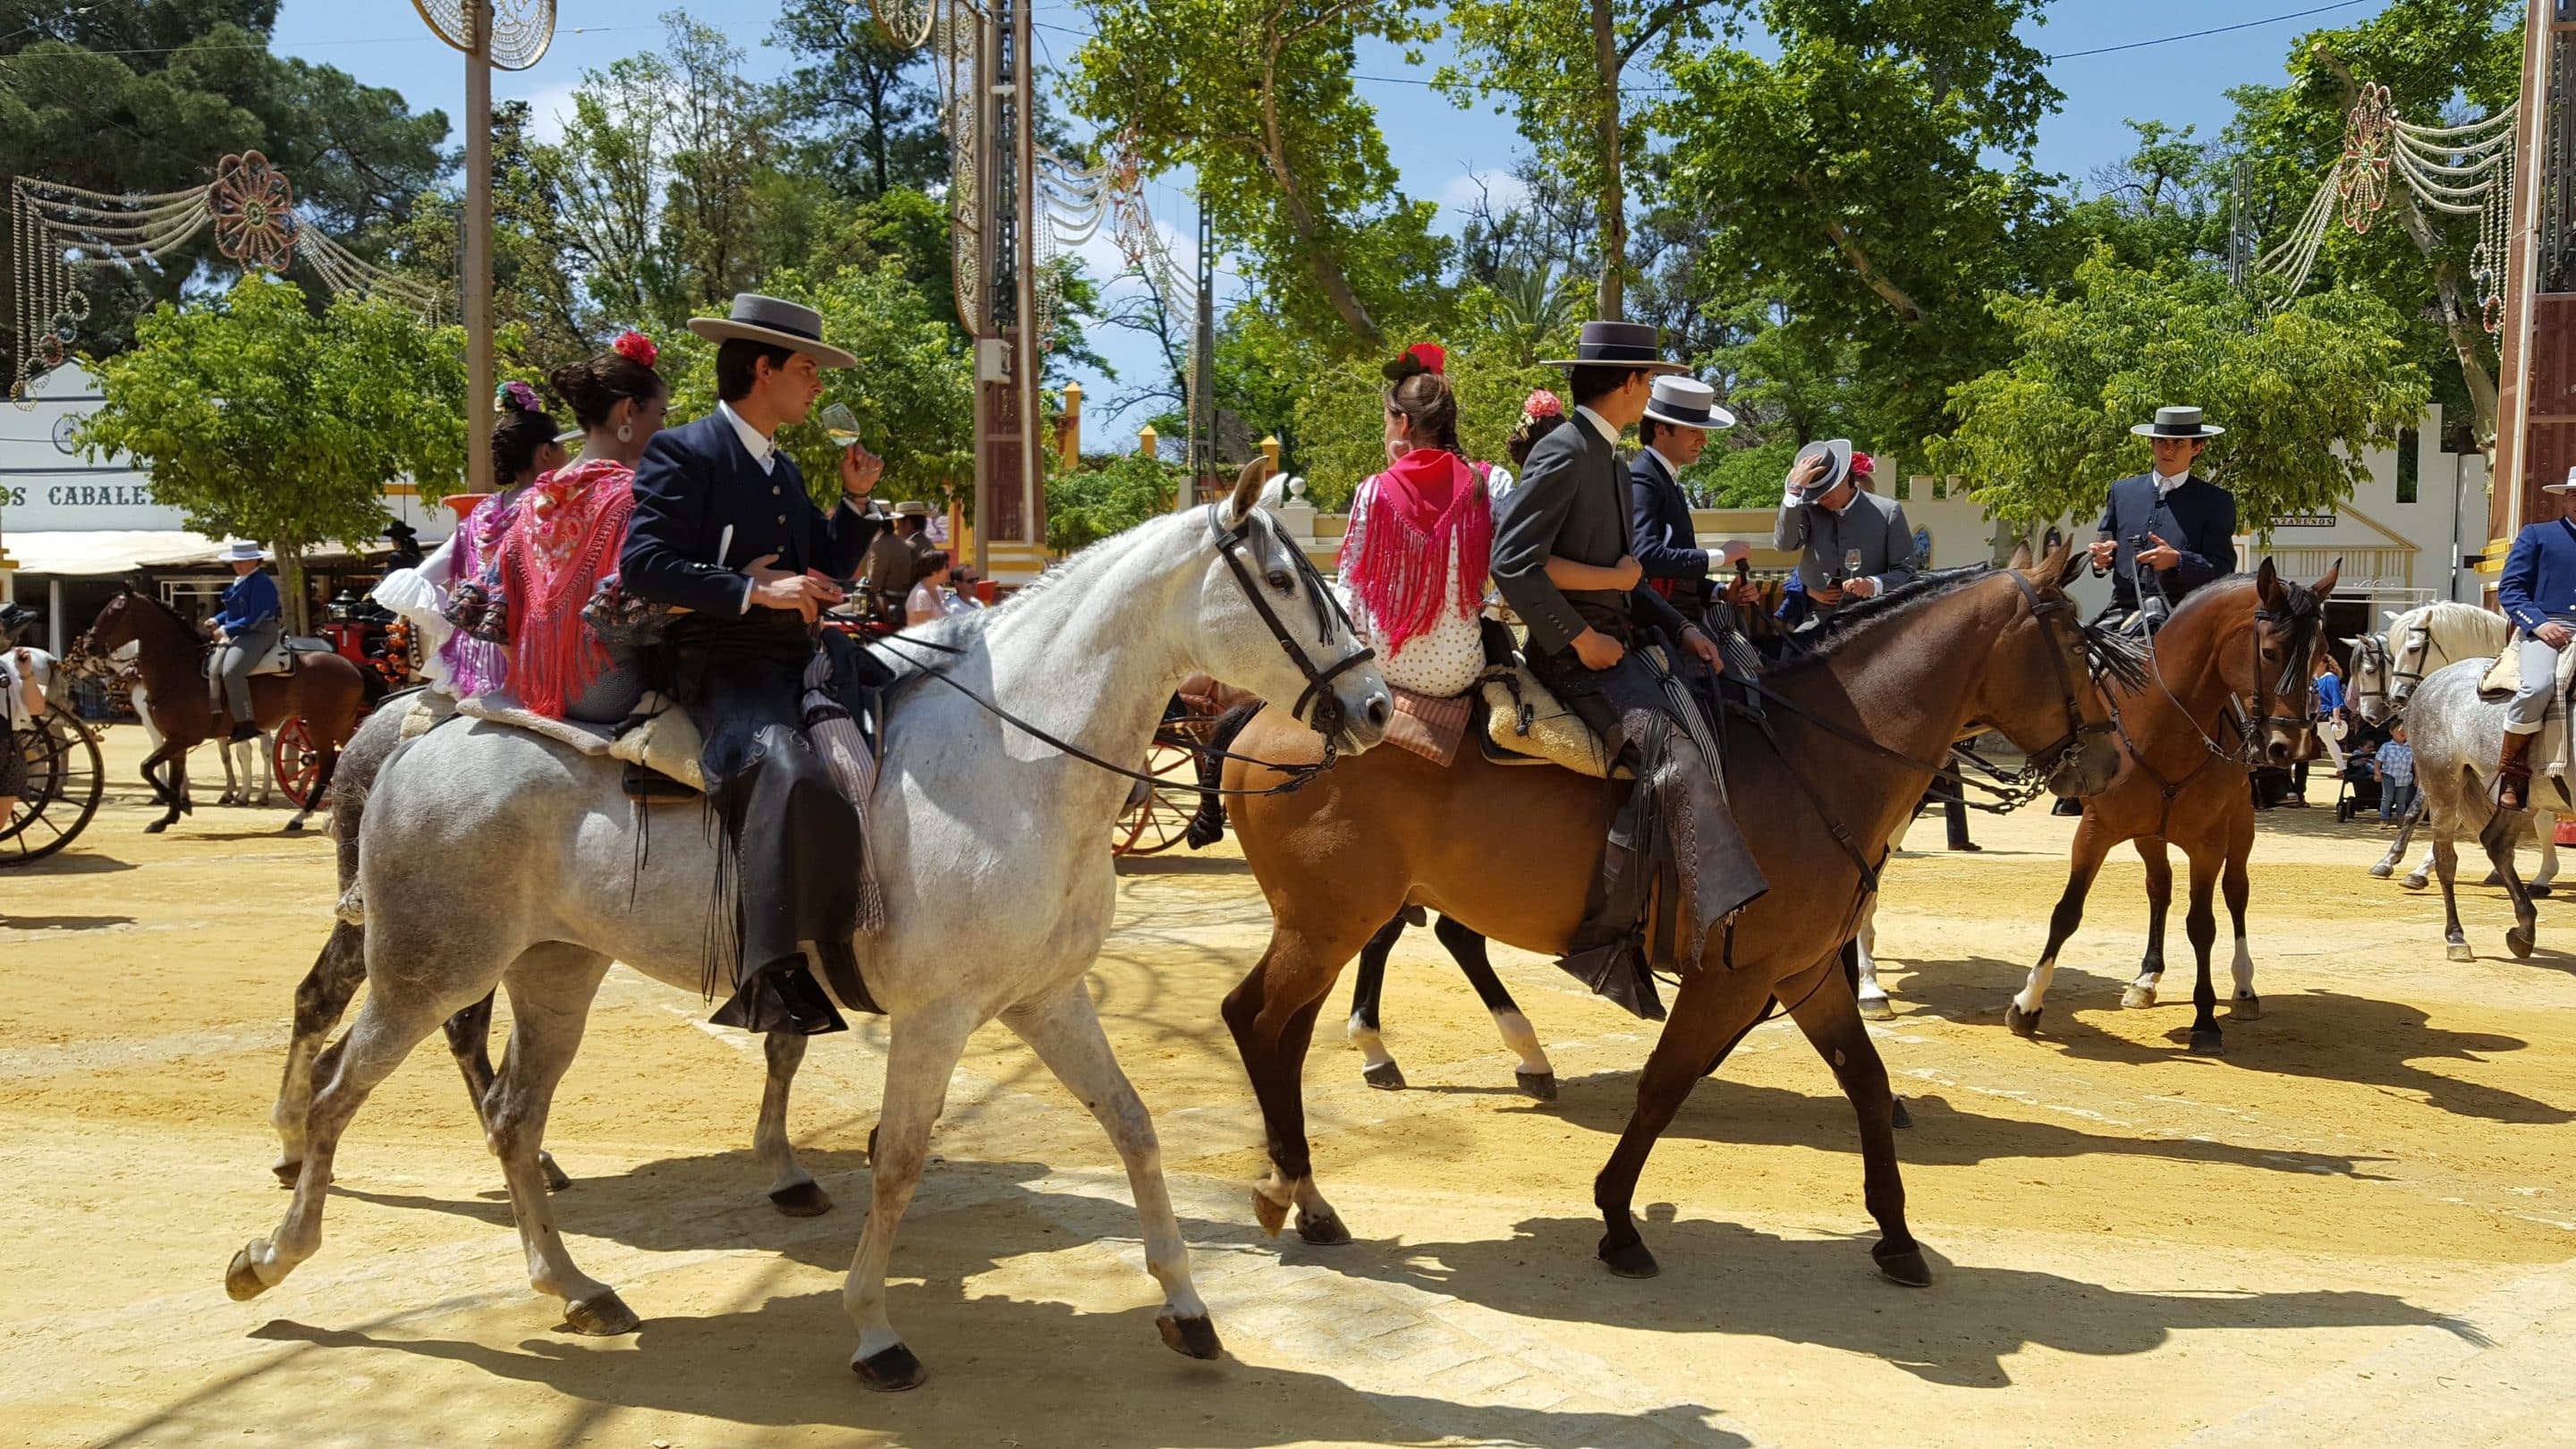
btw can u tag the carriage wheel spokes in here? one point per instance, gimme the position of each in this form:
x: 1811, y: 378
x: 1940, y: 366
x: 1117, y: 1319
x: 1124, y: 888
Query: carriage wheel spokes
x: 297, y: 762
x: 65, y: 781
x: 1162, y: 819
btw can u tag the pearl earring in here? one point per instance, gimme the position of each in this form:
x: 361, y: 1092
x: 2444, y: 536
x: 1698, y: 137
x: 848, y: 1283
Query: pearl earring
x: 626, y: 432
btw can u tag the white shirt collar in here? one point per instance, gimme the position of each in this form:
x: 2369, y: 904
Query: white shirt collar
x: 1599, y: 423
x: 1670, y: 472
x: 764, y: 451
x: 2165, y: 485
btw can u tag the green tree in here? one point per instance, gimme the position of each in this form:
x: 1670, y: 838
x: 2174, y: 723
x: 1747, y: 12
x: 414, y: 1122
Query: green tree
x: 1256, y: 95
x: 2301, y: 391
x: 861, y: 110
x: 261, y: 419
x: 1341, y: 418
x: 1091, y: 503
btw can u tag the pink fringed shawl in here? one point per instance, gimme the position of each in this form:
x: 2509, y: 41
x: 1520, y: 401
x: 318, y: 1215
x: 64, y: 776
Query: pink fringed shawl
x: 570, y: 529
x: 1397, y: 563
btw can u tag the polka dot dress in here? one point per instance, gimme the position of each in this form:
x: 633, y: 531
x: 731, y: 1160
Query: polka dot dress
x: 1442, y: 661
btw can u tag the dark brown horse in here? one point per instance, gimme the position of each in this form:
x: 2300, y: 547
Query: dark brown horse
x: 1509, y: 853
x: 2231, y: 686
x: 327, y: 691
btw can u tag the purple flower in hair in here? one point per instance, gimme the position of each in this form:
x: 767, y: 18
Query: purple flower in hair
x: 521, y: 396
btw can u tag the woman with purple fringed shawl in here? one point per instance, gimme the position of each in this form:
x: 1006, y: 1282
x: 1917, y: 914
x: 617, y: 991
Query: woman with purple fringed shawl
x: 453, y: 600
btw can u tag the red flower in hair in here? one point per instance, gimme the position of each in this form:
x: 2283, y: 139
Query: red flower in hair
x: 636, y: 348
x: 1543, y: 404
x: 1862, y: 465
x: 1431, y: 355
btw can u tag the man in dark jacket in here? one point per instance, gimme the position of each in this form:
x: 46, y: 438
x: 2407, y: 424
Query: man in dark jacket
x: 2166, y: 533
x: 1570, y: 502
x: 723, y: 527
x: 1680, y: 414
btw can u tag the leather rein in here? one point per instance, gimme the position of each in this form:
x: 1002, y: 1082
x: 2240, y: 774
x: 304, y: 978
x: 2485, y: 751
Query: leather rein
x: 2238, y: 719
x: 1325, y: 719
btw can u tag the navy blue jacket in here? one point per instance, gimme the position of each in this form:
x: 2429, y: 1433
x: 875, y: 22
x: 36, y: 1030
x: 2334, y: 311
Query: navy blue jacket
x: 2198, y: 519
x: 2539, y: 582
x: 1666, y: 542
x: 695, y: 481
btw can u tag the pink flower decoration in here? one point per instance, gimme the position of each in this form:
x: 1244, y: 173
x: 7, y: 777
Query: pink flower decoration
x: 1862, y: 464
x: 1543, y: 404
x: 521, y: 396
x: 636, y: 348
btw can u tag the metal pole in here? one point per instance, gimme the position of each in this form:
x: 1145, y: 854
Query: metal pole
x: 1025, y: 391
x: 1202, y: 448
x: 987, y: 193
x: 478, y: 252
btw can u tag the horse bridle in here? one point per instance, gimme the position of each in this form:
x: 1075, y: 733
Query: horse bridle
x: 2371, y: 660
x: 1329, y: 616
x: 2247, y: 724
x: 2078, y: 729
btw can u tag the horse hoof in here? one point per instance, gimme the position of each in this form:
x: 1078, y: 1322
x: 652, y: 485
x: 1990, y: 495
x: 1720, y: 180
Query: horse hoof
x: 1898, y: 1116
x: 1629, y: 1259
x: 156, y: 827
x: 2537, y: 891
x: 1324, y: 1230
x: 603, y: 1315
x: 1540, y: 1085
x: 2019, y: 1022
x: 1385, y: 1076
x: 805, y: 1200
x: 242, y: 1282
x: 1189, y: 1337
x: 2137, y: 996
x: 295, y: 825
x: 2518, y: 941
x: 1904, y: 1267
x: 889, y: 1370
x: 1877, y: 1008
x: 1273, y: 1215
x: 2459, y: 951
x: 555, y: 1179
x: 2205, y: 1042
x: 2382, y: 871
x: 2248, y: 1007
x: 2414, y: 882
x: 287, y: 1173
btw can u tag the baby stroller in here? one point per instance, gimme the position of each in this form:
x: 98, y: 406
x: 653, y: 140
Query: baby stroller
x: 2359, y: 794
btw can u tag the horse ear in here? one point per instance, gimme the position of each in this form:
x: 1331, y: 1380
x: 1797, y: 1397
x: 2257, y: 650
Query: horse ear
x: 2020, y: 561
x: 2324, y: 588
x: 2069, y: 562
x: 1247, y: 491
x: 2267, y: 584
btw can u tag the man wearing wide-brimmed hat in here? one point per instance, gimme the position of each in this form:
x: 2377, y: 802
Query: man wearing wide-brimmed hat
x: 2167, y: 532
x: 1571, y: 502
x: 2537, y: 591
x: 1680, y: 414
x: 1851, y: 541
x: 724, y: 529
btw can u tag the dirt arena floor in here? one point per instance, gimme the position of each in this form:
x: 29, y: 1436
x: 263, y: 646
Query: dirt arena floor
x: 2355, y: 1228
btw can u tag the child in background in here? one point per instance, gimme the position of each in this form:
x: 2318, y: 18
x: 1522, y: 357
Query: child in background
x: 2395, y: 769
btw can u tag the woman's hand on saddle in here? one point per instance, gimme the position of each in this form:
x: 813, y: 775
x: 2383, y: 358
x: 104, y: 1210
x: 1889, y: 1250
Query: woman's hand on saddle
x: 1598, y: 650
x: 802, y: 594
x: 1704, y: 649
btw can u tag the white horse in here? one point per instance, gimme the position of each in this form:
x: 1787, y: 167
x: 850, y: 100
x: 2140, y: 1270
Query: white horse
x: 2456, y: 735
x: 2385, y: 671
x: 988, y: 842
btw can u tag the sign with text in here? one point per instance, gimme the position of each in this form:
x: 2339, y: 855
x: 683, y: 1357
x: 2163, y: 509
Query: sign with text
x: 2304, y: 520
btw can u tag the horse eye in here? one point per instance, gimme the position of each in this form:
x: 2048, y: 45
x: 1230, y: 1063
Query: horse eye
x: 1279, y: 580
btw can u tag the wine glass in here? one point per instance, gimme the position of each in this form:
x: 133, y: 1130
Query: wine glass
x: 841, y: 425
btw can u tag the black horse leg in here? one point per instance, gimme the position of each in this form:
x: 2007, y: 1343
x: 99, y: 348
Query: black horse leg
x: 2151, y: 967
x: 1536, y: 1074
x: 1377, y: 1065
x: 2200, y: 923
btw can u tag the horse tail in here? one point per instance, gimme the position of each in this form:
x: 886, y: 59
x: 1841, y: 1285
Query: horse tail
x: 1208, y: 826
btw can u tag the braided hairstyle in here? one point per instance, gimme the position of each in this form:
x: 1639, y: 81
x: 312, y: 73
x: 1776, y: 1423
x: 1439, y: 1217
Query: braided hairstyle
x: 519, y: 432
x: 1421, y: 393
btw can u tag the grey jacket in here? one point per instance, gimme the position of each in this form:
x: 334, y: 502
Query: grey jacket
x: 1875, y: 526
x: 1572, y: 500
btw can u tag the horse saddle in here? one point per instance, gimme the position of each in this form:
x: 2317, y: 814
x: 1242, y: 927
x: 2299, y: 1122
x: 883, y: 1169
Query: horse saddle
x: 659, y: 737
x: 281, y: 659
x: 1526, y: 724
x: 2551, y: 753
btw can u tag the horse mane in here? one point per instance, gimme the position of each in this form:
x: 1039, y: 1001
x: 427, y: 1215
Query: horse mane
x: 1853, y: 621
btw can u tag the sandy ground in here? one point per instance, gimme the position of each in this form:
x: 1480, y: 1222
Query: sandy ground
x: 2355, y: 1228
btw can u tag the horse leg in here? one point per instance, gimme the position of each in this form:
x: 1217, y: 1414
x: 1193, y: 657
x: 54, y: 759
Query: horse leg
x: 550, y: 988
x: 2242, y: 1003
x: 172, y: 786
x: 1271, y: 1013
x: 2021, y: 1014
x: 2446, y: 867
x: 1065, y: 1033
x: 2397, y: 849
x: 2502, y: 836
x: 2544, y: 830
x: 793, y: 1190
x: 232, y: 794
x: 922, y: 1053
x: 2386, y: 865
x: 402, y: 1008
x: 321, y: 787
x: 320, y: 999
x: 469, y: 1033
x: 1377, y: 1065
x: 1536, y: 1074
x: 1873, y: 997
x: 1830, y: 1016
x: 2151, y: 967
x: 2200, y: 923
x: 1710, y: 1015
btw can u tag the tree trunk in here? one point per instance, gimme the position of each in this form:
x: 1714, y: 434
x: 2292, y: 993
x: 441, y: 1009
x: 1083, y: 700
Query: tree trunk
x: 290, y: 584
x: 2459, y: 319
x: 1328, y: 274
x: 1612, y: 303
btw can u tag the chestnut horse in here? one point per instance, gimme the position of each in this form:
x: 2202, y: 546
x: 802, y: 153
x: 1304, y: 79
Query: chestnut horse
x: 1509, y: 852
x: 2231, y: 685
x: 329, y: 692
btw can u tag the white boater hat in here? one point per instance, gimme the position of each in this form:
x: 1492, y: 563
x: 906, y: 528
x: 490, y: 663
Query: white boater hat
x: 241, y: 551
x: 1687, y: 402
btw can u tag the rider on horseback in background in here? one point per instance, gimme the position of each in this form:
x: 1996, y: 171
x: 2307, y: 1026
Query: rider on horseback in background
x: 1571, y: 501
x: 246, y: 631
x: 2167, y: 532
x: 2538, y: 593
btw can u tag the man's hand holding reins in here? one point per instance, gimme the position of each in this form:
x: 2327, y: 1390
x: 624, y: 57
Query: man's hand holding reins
x: 1704, y: 649
x: 803, y: 594
x: 2162, y: 557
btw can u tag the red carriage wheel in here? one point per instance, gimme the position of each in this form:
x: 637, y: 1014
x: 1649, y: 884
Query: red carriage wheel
x: 298, y: 762
x: 1161, y: 818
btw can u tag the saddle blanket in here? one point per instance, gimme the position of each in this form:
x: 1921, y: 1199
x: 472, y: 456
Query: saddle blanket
x: 2550, y: 751
x: 1429, y: 725
x: 666, y: 743
x: 1525, y: 718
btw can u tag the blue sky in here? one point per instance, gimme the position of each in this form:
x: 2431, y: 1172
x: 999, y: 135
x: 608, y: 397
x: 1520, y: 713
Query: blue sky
x: 1436, y: 147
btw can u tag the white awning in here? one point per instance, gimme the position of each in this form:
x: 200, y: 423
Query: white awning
x: 110, y: 551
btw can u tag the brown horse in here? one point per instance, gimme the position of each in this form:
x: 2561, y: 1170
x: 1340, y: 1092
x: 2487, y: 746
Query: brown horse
x: 2233, y: 658
x: 1510, y: 851
x: 327, y: 691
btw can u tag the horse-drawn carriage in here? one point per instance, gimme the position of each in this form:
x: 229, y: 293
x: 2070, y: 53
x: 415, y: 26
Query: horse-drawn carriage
x: 65, y: 781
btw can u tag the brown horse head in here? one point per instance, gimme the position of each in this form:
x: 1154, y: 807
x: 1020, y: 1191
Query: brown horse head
x: 115, y: 627
x: 2291, y: 649
x: 2260, y: 639
x: 2036, y: 688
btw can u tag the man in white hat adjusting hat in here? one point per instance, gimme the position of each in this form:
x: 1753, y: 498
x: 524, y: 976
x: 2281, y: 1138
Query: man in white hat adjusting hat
x: 723, y: 528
